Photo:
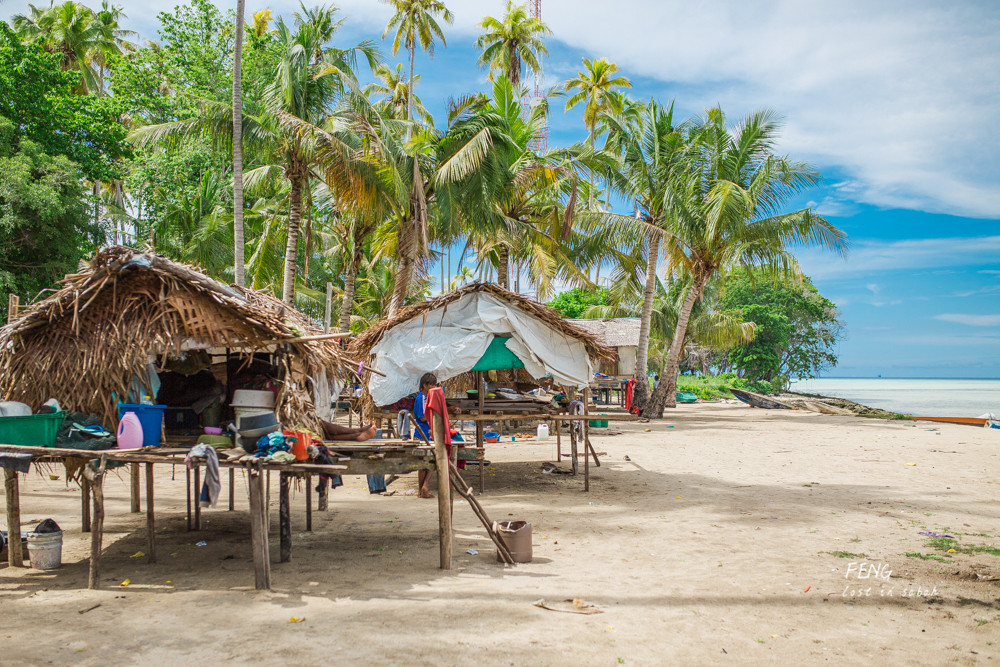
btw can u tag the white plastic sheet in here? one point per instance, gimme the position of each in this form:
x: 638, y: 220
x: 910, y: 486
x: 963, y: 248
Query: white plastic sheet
x: 450, y: 340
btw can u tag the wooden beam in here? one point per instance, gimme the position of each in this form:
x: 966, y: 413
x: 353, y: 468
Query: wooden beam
x: 309, y: 504
x: 134, y: 475
x: 307, y: 339
x: 232, y: 489
x: 586, y: 440
x: 444, y: 491
x: 15, y: 555
x: 480, y: 440
x: 84, y: 505
x: 95, y: 474
x: 187, y: 474
x: 258, y: 531
x: 284, y: 517
x: 196, y: 492
x: 150, y: 520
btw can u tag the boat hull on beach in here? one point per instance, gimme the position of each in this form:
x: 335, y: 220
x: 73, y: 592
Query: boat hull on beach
x: 759, y: 400
x: 968, y: 421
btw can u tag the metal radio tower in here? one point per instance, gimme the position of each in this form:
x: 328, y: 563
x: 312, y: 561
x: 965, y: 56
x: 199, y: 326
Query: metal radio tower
x: 540, y: 143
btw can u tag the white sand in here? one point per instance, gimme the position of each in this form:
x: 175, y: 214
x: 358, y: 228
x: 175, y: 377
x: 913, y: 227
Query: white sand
x: 713, y: 543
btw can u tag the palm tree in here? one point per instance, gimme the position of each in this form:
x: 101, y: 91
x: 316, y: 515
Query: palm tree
x: 71, y: 30
x: 415, y: 23
x: 726, y: 206
x: 280, y: 132
x: 239, y: 248
x: 393, y: 88
x: 512, y: 40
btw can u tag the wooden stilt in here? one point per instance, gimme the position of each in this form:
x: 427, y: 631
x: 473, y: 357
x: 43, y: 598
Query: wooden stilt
x: 309, y: 504
x: 480, y: 440
x: 134, y: 473
x: 232, y: 489
x: 258, y: 531
x: 84, y: 506
x: 150, y: 520
x: 586, y: 441
x: 196, y: 492
x: 187, y: 473
x: 96, y: 477
x: 323, y: 504
x: 284, y: 518
x: 444, y: 491
x: 267, y: 501
x: 15, y: 555
x: 558, y: 424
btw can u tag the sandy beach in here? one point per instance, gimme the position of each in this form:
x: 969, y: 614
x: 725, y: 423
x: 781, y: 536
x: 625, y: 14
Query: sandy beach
x: 721, y: 534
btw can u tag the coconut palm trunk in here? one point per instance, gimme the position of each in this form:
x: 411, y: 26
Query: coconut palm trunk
x: 349, y: 280
x: 503, y: 268
x: 238, y: 241
x: 640, y: 392
x: 292, y: 245
x: 404, y: 253
x: 665, y: 395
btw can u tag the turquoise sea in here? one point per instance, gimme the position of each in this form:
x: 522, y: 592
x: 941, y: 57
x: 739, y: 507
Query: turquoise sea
x: 922, y: 397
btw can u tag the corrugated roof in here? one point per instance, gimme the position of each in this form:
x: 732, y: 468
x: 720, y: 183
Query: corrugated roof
x: 613, y: 332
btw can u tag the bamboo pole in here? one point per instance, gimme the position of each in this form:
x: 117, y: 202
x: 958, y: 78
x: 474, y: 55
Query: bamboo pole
x: 258, y: 531
x: 95, y: 474
x: 134, y: 474
x: 284, y: 518
x: 444, y: 491
x: 84, y: 506
x: 150, y: 520
x: 15, y: 555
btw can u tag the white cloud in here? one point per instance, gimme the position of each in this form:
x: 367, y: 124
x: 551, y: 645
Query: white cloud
x: 872, y: 256
x: 902, y: 95
x: 971, y: 320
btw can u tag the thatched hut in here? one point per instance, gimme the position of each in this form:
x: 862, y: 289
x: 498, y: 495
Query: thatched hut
x: 87, y: 343
x: 476, y: 327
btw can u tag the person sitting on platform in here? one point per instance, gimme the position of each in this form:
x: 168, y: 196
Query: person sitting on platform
x: 340, y: 433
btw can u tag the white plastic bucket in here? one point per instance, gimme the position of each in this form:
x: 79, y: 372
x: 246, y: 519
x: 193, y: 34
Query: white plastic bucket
x: 45, y: 550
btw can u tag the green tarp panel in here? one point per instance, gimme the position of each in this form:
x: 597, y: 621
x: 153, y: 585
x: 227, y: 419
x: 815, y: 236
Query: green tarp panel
x: 497, y: 356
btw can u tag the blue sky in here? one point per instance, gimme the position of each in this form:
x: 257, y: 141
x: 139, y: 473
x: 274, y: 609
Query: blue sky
x: 896, y: 103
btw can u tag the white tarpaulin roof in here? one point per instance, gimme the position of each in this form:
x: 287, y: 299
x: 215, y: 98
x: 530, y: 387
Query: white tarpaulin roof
x: 450, y: 340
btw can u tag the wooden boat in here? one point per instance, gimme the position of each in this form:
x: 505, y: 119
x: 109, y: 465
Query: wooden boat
x: 686, y: 397
x: 759, y: 400
x: 969, y: 421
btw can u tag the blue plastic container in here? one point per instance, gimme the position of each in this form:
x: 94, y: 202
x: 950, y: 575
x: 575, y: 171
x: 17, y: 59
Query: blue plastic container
x: 151, y: 418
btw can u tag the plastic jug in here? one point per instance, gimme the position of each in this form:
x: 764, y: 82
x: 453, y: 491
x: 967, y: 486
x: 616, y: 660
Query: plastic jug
x: 543, y: 432
x: 129, y: 434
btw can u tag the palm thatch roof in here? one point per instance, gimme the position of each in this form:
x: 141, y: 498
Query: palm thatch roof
x: 85, y: 343
x: 361, y: 346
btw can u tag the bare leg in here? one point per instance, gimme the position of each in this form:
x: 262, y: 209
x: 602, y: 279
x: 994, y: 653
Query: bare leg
x: 424, y: 477
x: 343, y: 433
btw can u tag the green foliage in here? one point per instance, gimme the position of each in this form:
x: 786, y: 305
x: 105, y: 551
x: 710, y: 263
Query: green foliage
x: 39, y: 100
x: 573, y: 303
x: 797, y: 328
x: 44, y: 222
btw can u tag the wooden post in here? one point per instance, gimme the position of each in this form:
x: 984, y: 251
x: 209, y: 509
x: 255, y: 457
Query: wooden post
x: 444, y: 491
x: 187, y: 473
x: 284, y: 518
x: 258, y: 531
x: 232, y: 489
x: 134, y: 472
x: 150, y: 521
x: 96, y: 478
x: 196, y: 492
x: 15, y: 555
x: 329, y: 304
x: 324, y: 495
x: 309, y: 504
x: 586, y: 440
x: 558, y: 424
x: 480, y: 441
x: 267, y: 501
x: 84, y: 506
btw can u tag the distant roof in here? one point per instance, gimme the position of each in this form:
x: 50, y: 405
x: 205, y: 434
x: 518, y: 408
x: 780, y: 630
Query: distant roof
x: 613, y: 332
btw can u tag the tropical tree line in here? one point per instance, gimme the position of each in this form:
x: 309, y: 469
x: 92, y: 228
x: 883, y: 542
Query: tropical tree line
x: 253, y: 147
